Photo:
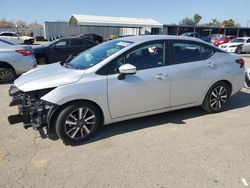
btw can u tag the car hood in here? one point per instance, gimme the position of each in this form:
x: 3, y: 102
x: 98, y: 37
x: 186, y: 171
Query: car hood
x: 48, y: 76
x: 26, y: 37
x: 231, y: 44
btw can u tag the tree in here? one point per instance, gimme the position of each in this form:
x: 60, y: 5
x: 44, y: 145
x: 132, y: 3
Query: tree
x: 187, y: 21
x: 197, y: 18
x: 214, y: 23
x: 21, y: 24
x: 230, y: 23
x: 6, y: 24
x: 35, y: 25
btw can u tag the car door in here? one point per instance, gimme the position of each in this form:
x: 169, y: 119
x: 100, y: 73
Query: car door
x: 246, y: 46
x: 77, y: 46
x: 59, y: 51
x: 192, y: 67
x: 148, y: 89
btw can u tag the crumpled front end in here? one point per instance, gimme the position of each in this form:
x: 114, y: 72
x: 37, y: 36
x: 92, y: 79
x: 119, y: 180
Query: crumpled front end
x: 33, y: 112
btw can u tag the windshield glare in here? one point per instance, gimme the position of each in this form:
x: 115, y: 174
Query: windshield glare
x: 96, y: 54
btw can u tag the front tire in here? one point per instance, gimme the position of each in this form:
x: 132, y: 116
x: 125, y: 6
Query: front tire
x: 78, y: 122
x: 216, y: 98
x: 238, y: 50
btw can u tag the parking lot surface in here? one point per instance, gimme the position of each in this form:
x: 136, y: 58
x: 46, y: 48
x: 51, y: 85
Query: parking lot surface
x: 185, y: 148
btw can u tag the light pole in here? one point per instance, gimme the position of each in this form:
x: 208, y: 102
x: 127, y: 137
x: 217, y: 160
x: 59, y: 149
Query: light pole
x: 248, y: 21
x: 16, y: 28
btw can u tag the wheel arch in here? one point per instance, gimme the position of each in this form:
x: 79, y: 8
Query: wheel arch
x: 228, y: 83
x: 4, y: 64
x: 54, y: 112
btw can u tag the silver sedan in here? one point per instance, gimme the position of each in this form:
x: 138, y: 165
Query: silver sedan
x: 14, y: 60
x: 124, y: 79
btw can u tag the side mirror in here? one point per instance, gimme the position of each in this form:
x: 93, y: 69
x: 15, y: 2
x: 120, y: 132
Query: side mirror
x: 126, y: 69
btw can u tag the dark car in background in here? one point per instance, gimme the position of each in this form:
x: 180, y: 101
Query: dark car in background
x: 61, y: 49
x: 92, y: 37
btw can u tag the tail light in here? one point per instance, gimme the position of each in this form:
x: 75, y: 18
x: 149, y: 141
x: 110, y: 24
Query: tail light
x: 24, y: 52
x: 241, y: 62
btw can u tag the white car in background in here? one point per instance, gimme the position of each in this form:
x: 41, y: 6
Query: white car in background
x: 15, y: 38
x: 234, y: 45
x: 14, y: 60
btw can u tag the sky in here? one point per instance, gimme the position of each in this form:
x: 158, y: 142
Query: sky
x: 165, y: 11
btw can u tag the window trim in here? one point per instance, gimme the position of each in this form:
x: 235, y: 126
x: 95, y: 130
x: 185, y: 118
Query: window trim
x: 166, y: 56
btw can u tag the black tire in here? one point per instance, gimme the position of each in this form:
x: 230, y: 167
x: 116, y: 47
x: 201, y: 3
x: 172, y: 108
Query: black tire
x: 41, y: 60
x: 7, y: 75
x: 238, y: 50
x: 78, y: 130
x: 216, y: 99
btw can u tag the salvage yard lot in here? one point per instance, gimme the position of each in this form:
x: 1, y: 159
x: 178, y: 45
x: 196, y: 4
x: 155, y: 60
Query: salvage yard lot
x: 185, y: 148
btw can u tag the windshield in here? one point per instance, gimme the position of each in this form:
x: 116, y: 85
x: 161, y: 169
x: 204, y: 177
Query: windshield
x: 96, y: 54
x: 237, y: 40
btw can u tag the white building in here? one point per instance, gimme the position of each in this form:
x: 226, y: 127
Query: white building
x: 102, y: 25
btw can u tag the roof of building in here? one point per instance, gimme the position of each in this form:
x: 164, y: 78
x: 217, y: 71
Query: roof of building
x: 77, y: 19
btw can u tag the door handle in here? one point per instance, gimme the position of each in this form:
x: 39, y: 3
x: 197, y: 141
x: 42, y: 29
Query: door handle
x: 161, y: 76
x: 211, y: 65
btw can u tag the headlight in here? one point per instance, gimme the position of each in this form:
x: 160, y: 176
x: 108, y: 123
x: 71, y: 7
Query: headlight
x: 232, y: 46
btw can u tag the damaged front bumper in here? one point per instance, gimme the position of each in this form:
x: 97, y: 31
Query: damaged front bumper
x: 33, y: 112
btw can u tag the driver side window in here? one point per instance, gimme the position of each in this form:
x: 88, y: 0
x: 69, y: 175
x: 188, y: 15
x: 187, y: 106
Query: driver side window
x: 144, y: 57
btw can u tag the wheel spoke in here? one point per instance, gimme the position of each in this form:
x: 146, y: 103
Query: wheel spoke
x: 80, y: 113
x: 73, y: 117
x: 74, y: 134
x: 71, y: 130
x: 89, y: 123
x: 219, y: 103
x: 86, y: 129
x: 70, y: 122
x: 213, y: 103
x: 85, y: 113
x: 89, y: 118
x: 82, y: 133
x: 214, y: 94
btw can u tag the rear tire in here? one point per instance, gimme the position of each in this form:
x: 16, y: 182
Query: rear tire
x: 7, y: 75
x: 216, y: 98
x: 41, y: 60
x: 78, y: 122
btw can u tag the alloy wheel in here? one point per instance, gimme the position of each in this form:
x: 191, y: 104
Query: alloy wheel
x: 218, y: 98
x: 80, y: 123
x: 6, y: 75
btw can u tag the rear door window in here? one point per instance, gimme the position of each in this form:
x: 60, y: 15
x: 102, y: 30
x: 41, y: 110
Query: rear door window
x: 185, y: 52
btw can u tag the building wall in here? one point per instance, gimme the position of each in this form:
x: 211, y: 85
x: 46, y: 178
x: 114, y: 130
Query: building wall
x: 52, y: 29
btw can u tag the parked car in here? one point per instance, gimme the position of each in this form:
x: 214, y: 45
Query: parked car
x: 61, y: 49
x: 224, y: 40
x: 245, y: 47
x: 247, y: 78
x: 15, y: 38
x: 233, y: 45
x: 123, y: 79
x: 92, y: 37
x: 215, y: 37
x: 14, y: 60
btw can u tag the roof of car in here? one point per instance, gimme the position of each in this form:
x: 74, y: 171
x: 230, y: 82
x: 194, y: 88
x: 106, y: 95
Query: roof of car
x: 8, y: 32
x: 145, y: 38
